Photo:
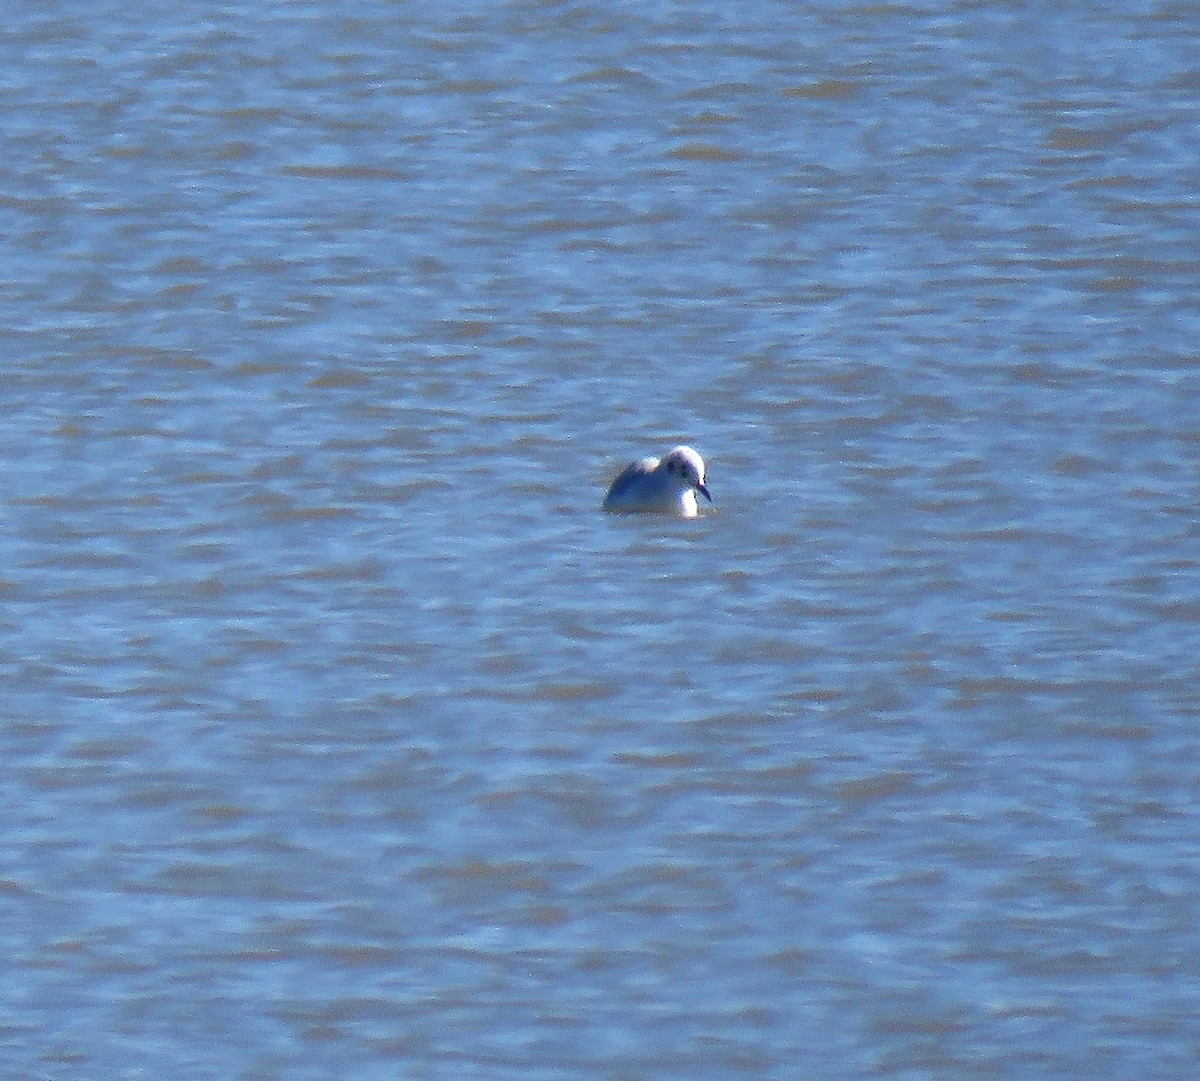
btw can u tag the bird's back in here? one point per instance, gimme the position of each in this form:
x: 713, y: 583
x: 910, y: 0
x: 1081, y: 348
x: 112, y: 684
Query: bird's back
x: 635, y: 486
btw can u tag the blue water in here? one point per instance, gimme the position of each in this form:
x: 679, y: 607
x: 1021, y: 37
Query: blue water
x: 346, y: 738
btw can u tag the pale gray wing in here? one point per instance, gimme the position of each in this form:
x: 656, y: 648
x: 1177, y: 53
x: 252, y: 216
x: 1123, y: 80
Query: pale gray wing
x: 627, y: 478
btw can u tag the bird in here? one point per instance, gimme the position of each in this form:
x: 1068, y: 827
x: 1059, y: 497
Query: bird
x: 665, y: 485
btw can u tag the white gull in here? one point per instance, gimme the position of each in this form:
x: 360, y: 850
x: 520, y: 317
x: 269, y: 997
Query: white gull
x: 660, y: 485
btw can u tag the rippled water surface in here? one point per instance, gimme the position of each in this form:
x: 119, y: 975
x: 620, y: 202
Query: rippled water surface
x: 345, y: 737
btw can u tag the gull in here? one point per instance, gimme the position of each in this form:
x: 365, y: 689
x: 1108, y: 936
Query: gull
x: 660, y: 485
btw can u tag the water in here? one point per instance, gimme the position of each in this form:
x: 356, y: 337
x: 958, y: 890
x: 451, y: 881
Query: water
x: 345, y: 737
